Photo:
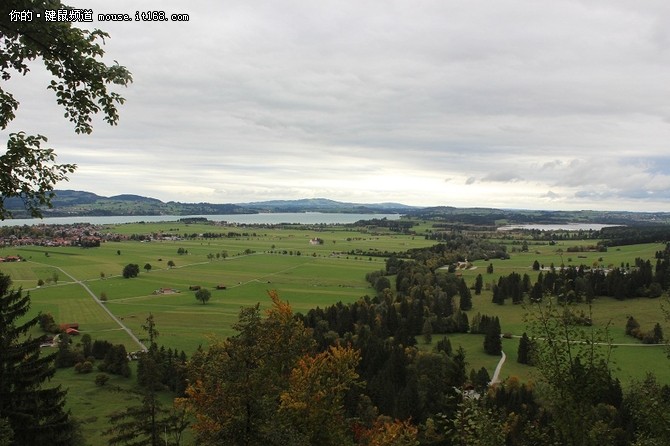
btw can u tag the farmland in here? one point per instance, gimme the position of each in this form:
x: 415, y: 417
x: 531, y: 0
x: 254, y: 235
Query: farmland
x: 251, y: 261
x: 241, y: 267
x: 305, y: 275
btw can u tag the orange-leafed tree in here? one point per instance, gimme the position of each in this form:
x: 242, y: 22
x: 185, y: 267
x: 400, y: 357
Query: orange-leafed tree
x: 312, y: 407
x: 387, y: 432
x: 236, y: 383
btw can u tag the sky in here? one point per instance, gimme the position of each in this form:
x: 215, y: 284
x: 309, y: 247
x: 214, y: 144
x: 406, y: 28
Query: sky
x: 526, y: 104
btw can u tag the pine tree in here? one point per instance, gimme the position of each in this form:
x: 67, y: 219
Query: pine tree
x: 479, y: 283
x: 136, y: 425
x: 524, y: 353
x: 466, y: 298
x: 658, y: 333
x: 146, y: 423
x: 492, y: 341
x: 34, y: 414
x: 632, y: 326
x: 427, y: 331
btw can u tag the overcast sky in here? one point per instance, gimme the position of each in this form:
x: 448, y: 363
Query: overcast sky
x: 500, y: 103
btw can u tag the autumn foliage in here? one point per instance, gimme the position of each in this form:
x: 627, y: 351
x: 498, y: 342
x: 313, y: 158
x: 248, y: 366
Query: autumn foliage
x: 269, y: 385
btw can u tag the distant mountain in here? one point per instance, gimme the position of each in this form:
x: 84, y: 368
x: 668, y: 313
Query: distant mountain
x: 130, y: 197
x: 325, y: 205
x: 497, y: 217
x: 74, y: 197
x: 80, y: 203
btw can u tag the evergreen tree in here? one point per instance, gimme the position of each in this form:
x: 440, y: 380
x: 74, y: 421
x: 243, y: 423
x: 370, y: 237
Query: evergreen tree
x: 498, y: 297
x: 536, y: 292
x: 427, y: 331
x: 35, y: 415
x: 492, y: 341
x: 658, y: 334
x: 147, y: 424
x: 143, y: 424
x: 479, y: 283
x: 632, y: 326
x: 462, y: 324
x: 480, y: 379
x: 648, y: 407
x: 6, y: 433
x: 116, y: 361
x: 459, y: 365
x: 524, y: 353
x: 466, y: 297
x: 444, y: 345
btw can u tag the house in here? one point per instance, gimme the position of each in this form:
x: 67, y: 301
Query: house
x: 166, y: 291
x: 71, y: 329
x: 73, y: 325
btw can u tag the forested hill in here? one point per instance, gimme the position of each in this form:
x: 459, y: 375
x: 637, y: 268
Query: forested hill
x: 80, y: 203
x: 498, y: 217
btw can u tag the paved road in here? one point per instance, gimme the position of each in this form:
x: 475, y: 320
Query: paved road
x: 102, y: 305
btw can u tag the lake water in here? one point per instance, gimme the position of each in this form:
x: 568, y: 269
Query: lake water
x: 274, y: 218
x: 558, y: 227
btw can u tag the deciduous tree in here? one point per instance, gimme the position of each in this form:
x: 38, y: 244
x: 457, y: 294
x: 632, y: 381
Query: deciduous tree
x: 573, y: 363
x: 236, y: 384
x: 203, y: 295
x: 80, y: 81
x: 315, y: 395
x: 131, y: 270
x: 386, y: 432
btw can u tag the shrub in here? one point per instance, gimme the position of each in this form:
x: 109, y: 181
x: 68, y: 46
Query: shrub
x: 101, y: 379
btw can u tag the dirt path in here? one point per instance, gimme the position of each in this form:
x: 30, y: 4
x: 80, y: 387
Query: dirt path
x: 496, y: 374
x: 503, y: 358
x: 102, y: 305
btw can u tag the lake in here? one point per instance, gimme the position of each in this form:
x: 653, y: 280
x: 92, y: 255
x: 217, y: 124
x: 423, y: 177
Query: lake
x: 559, y: 227
x: 251, y: 219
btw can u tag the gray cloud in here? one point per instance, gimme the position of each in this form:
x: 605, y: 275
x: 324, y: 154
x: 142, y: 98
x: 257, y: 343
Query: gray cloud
x: 381, y: 102
x: 502, y: 177
x: 551, y: 195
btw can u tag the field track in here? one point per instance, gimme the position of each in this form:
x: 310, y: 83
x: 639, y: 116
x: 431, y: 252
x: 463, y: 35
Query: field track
x: 102, y: 305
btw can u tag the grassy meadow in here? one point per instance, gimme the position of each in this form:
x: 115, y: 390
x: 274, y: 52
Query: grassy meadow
x: 261, y: 259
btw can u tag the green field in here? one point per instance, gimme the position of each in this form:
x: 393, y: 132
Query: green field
x: 306, y: 275
x: 318, y: 276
